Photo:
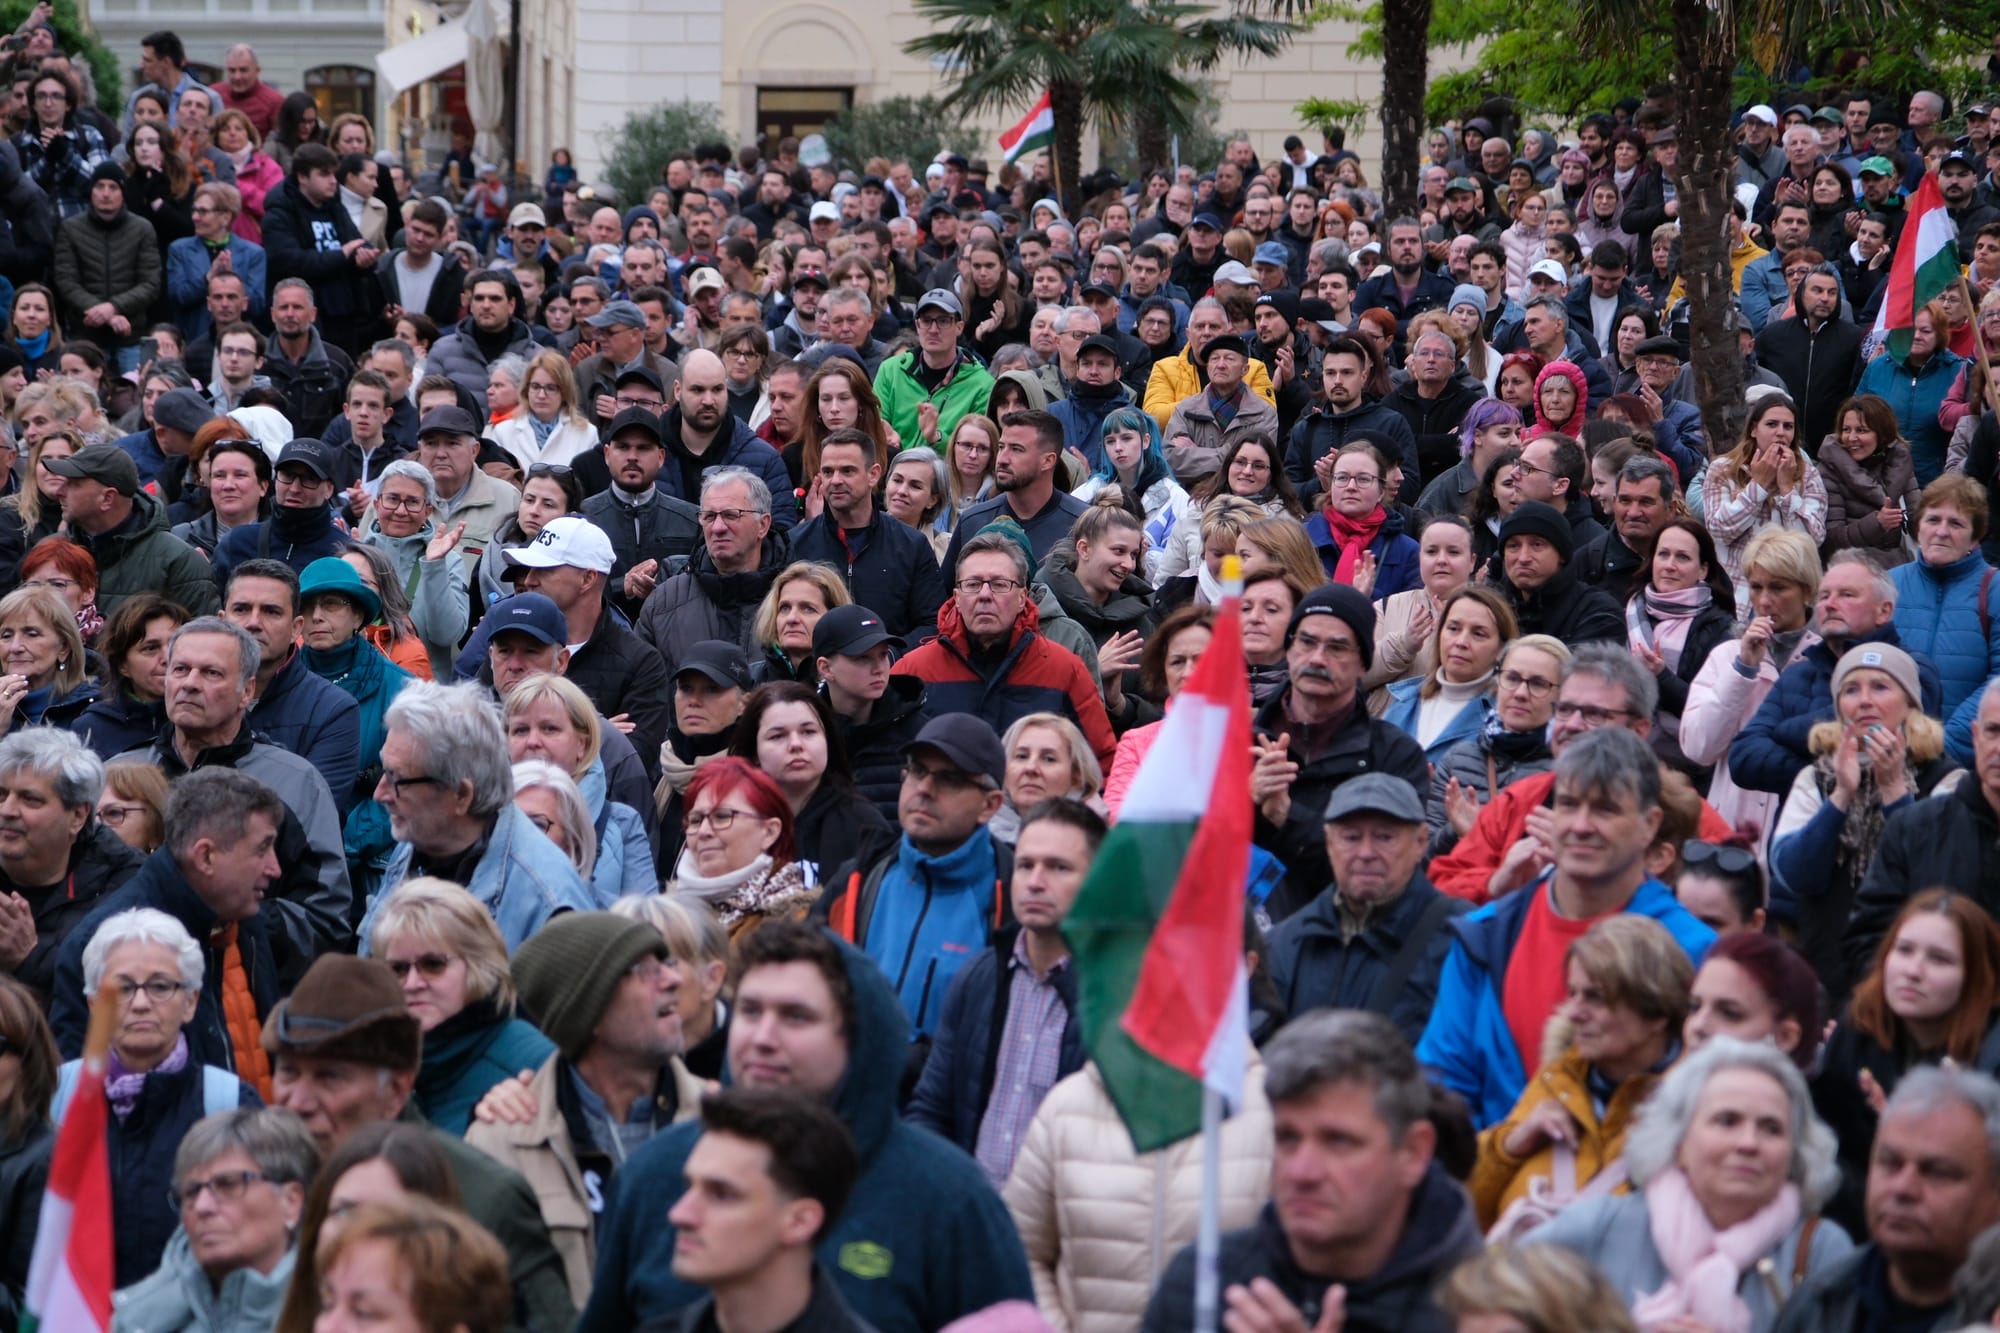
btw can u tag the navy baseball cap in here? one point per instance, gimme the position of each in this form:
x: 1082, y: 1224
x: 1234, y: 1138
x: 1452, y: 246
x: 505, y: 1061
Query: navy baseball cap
x: 532, y: 614
x: 967, y: 741
x: 849, y: 631
x: 1208, y: 220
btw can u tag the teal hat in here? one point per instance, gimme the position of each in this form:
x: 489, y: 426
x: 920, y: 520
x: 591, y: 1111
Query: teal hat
x: 332, y: 574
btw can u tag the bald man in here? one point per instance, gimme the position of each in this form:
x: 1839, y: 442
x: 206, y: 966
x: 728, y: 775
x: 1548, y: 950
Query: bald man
x: 701, y: 433
x: 243, y: 89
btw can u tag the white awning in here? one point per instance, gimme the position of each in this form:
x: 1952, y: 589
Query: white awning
x: 410, y: 63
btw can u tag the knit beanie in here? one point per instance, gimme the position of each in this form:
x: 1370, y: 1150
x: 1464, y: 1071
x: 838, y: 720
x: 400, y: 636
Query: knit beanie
x: 1467, y: 294
x: 1886, y: 658
x: 567, y: 972
x: 1343, y: 603
x: 1535, y: 519
x: 1007, y: 527
x: 108, y: 171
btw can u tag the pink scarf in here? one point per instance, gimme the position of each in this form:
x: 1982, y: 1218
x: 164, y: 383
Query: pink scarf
x: 1354, y: 536
x: 1704, y: 1266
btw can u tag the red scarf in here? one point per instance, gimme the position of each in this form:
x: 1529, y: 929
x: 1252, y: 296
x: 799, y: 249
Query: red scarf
x: 1354, y: 536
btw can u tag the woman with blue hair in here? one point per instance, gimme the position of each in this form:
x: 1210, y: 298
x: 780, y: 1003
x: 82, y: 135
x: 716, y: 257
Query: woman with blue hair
x: 1134, y: 461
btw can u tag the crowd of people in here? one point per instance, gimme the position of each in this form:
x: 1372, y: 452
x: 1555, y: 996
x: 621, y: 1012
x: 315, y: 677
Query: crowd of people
x: 570, y: 726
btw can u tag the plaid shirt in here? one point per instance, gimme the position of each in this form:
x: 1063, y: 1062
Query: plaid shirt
x: 62, y: 166
x: 1030, y: 1053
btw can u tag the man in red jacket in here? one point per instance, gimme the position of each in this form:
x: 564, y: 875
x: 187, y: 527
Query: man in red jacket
x: 1513, y: 839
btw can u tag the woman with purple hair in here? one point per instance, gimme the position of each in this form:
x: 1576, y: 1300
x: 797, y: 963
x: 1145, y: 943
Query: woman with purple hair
x: 1489, y: 428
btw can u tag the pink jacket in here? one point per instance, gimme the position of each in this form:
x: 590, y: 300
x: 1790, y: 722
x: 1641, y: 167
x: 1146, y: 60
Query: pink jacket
x: 1132, y: 747
x: 253, y: 182
x: 1720, y: 701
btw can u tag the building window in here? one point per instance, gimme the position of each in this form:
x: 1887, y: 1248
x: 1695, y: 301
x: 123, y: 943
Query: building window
x: 798, y: 111
x: 339, y: 89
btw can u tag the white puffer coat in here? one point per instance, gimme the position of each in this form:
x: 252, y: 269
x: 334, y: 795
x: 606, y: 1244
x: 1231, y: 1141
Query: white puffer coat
x: 1100, y: 1222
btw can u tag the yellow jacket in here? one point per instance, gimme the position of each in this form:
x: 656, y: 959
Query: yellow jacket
x: 1498, y: 1178
x: 1740, y: 258
x: 1176, y: 378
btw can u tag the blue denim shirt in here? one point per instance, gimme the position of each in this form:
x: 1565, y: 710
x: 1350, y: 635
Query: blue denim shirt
x: 524, y: 879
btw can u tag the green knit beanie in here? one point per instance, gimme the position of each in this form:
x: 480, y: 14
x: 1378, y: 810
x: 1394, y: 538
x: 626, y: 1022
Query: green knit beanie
x: 566, y: 972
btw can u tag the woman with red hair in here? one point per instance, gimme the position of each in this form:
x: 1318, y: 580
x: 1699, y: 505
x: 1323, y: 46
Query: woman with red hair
x: 1562, y: 401
x: 67, y: 570
x: 740, y: 856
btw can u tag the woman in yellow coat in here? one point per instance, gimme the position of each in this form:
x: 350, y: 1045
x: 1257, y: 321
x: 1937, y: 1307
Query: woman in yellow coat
x: 1627, y: 983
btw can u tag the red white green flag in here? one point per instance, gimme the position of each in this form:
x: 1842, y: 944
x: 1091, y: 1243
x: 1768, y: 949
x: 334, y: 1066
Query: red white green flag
x: 1036, y: 130
x: 70, y: 1275
x: 1925, y: 263
x: 1157, y: 928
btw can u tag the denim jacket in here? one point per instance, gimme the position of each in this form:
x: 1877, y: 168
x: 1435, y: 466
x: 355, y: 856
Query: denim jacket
x: 523, y: 879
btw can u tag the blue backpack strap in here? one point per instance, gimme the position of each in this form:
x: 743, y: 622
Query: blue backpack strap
x: 221, y: 1090
x: 66, y: 1081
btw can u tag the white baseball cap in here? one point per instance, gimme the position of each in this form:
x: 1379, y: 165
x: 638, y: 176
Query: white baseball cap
x: 1763, y: 113
x: 1549, y: 268
x: 1235, y: 272
x: 572, y: 541
x: 824, y: 210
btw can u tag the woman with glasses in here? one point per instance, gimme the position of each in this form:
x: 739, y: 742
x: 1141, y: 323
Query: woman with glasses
x: 740, y: 856
x: 550, y: 427
x: 549, y: 718
x: 425, y: 552
x: 67, y: 570
x: 1511, y: 745
x: 1878, y: 754
x: 134, y: 804
x: 788, y: 730
x: 239, y: 1185
x: 156, y: 1088
x: 745, y: 350
x: 1252, y: 469
x: 1915, y: 385
x: 452, y: 965
x: 214, y: 248
x: 1360, y: 541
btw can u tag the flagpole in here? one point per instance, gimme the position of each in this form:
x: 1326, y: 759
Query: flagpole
x: 1208, y: 1239
x: 1979, y: 345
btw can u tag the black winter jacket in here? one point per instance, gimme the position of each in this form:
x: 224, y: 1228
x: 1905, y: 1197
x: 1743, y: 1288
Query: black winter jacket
x: 1434, y: 421
x: 1321, y: 431
x: 663, y: 527
x: 1313, y: 966
x: 621, y: 673
x: 1610, y: 565
x: 99, y: 863
x: 889, y: 568
x: 834, y: 824
x: 1819, y: 368
x: 24, y: 1174
x: 957, y: 1081
x: 1565, y: 607
x: 875, y: 747
x: 1953, y: 839
x: 303, y: 240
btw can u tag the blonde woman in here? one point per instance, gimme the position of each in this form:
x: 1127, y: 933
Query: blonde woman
x: 452, y: 965
x: 549, y: 427
x: 547, y: 717
x: 35, y: 511
x: 799, y: 596
x: 41, y: 654
x: 1047, y: 757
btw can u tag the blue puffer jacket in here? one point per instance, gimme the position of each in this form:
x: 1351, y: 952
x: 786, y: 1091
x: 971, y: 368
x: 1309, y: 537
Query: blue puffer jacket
x: 1468, y: 1043
x: 1404, y: 704
x: 1394, y: 550
x: 1771, y: 749
x: 957, y: 1082
x: 1915, y: 398
x: 1938, y: 616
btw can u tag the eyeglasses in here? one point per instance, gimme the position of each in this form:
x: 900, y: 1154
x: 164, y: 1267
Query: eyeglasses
x: 729, y: 516
x: 935, y: 321
x: 720, y: 818
x: 54, y: 585
x: 408, y: 503
x: 944, y: 779
x: 1728, y: 860
x: 429, y: 966
x: 650, y: 404
x: 158, y: 989
x: 395, y: 782
x: 999, y: 587
x: 543, y: 388
x: 228, y: 1187
x: 1532, y: 470
x: 115, y: 814
x: 1590, y: 713
x: 548, y: 470
x: 1538, y: 687
x: 1361, y: 480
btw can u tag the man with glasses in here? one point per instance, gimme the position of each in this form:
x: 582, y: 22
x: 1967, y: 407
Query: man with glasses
x: 300, y: 529
x: 1554, y: 471
x: 603, y: 988
x: 991, y: 661
x: 1505, y: 976
x: 1513, y: 838
x: 447, y: 784
x: 925, y: 390
x: 923, y: 905
x: 717, y: 595
x: 239, y: 356
x: 56, y: 861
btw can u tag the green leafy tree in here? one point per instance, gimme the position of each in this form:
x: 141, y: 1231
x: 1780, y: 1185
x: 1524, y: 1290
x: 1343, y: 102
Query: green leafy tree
x: 1119, y: 64
x: 73, y: 36
x: 638, y: 149
x: 917, y: 128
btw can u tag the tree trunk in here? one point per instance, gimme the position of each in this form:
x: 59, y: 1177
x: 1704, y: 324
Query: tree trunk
x: 1705, y: 47
x: 1152, y: 143
x: 1406, y: 30
x: 1066, y: 101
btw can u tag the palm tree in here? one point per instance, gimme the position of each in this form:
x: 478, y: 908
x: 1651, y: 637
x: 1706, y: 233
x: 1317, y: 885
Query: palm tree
x: 1120, y: 64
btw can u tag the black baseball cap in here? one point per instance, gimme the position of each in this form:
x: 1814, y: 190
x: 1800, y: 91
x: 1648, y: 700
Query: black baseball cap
x: 967, y: 741
x: 1103, y: 289
x: 638, y: 375
x: 448, y: 421
x: 106, y: 464
x: 849, y: 631
x: 1101, y: 342
x: 638, y: 418
x: 310, y: 454
x: 719, y: 660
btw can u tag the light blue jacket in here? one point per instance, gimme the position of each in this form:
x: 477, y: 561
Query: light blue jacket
x: 624, y: 858
x: 1938, y: 616
x: 1404, y: 706
x: 523, y: 880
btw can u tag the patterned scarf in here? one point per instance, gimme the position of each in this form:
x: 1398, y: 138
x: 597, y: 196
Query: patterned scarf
x: 123, y: 1085
x: 1225, y: 408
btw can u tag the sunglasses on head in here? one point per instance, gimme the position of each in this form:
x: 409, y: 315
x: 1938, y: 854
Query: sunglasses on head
x: 548, y: 470
x: 1729, y: 860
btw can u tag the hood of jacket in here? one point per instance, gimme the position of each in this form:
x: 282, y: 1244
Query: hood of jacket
x: 1029, y: 384
x: 878, y: 1046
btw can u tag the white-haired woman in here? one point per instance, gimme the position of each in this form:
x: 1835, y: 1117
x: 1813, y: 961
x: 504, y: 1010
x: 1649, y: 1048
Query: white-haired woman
x: 1730, y: 1168
x: 549, y: 798
x: 156, y: 1087
x: 401, y: 521
x: 548, y: 718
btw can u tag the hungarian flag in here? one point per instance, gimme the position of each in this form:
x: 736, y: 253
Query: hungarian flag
x: 1157, y: 928
x: 69, y: 1278
x: 1925, y: 263
x: 1036, y: 130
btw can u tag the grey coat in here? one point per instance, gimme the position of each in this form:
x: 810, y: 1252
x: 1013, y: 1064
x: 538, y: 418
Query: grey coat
x: 1616, y: 1237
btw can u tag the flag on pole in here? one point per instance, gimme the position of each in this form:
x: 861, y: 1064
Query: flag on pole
x: 1157, y: 928
x: 1036, y: 130
x: 1925, y: 263
x: 70, y: 1275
